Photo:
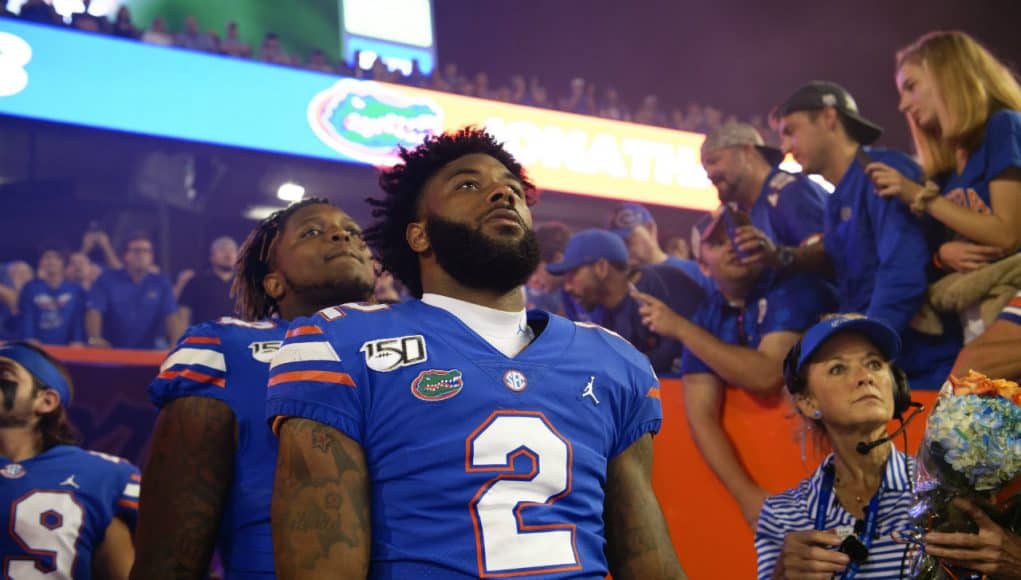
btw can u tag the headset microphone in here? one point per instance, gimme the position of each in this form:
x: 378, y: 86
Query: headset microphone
x: 864, y: 447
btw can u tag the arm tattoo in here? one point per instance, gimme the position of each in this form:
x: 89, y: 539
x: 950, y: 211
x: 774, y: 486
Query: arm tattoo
x: 637, y: 541
x: 186, y: 481
x: 321, y: 523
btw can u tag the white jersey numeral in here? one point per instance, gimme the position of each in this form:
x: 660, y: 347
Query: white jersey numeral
x: 507, y: 546
x: 46, y: 523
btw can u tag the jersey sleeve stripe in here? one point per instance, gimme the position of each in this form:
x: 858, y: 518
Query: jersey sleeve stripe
x: 201, y: 340
x: 1012, y: 312
x: 136, y: 477
x: 293, y: 352
x: 198, y: 377
x: 196, y: 356
x: 653, y: 393
x: 128, y: 503
x: 132, y: 490
x: 313, y: 377
x: 303, y: 330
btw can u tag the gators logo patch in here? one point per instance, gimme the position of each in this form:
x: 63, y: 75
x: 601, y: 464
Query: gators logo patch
x: 437, y: 385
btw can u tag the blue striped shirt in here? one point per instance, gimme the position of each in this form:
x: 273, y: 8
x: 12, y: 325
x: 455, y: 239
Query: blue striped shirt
x: 794, y: 510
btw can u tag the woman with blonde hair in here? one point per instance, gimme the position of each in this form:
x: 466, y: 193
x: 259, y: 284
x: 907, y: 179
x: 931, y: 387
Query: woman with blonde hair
x: 963, y: 107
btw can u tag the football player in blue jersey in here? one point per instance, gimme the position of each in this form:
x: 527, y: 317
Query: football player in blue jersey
x: 457, y: 436
x: 212, y: 453
x: 68, y: 513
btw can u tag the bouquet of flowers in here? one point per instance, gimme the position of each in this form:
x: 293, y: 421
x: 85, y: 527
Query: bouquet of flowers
x: 971, y: 449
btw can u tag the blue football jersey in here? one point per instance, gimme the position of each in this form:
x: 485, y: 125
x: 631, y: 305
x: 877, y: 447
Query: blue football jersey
x: 481, y: 465
x: 228, y: 360
x: 56, y: 508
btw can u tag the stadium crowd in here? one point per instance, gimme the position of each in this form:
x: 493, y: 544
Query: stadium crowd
x: 579, y: 96
x: 907, y: 272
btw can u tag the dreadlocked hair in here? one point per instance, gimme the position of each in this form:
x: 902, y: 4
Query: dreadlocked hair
x: 403, y: 185
x: 255, y: 260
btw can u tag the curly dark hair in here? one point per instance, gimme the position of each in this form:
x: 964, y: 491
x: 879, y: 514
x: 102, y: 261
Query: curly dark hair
x: 255, y: 261
x: 403, y: 185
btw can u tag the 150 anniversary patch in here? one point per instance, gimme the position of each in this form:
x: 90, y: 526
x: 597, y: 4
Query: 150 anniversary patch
x: 389, y: 354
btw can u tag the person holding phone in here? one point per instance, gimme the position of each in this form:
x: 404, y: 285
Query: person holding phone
x: 737, y: 338
x: 787, y: 207
x: 874, y: 248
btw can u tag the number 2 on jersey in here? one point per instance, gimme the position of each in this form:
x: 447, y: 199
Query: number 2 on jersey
x: 46, y: 524
x: 504, y: 544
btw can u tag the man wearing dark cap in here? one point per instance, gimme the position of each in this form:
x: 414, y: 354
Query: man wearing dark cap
x: 634, y: 224
x: 787, y: 207
x: 875, y: 247
x: 738, y: 338
x: 595, y: 273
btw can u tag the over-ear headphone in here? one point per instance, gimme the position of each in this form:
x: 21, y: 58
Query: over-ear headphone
x: 796, y: 382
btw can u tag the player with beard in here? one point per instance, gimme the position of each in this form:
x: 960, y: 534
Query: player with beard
x: 457, y: 436
x: 213, y: 454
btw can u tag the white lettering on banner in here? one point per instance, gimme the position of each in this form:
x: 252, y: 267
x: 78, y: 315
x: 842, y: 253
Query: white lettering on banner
x: 600, y: 153
x: 15, y: 54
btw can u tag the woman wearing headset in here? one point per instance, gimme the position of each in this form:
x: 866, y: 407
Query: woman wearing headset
x: 839, y: 520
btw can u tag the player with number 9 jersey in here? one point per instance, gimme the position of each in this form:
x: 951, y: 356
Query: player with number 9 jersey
x: 67, y: 513
x: 481, y: 465
x: 59, y: 505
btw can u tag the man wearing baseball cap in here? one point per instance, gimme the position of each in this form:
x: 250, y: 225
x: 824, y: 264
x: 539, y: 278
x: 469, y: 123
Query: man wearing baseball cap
x: 873, y: 245
x: 634, y: 224
x: 738, y: 338
x: 595, y: 270
x: 787, y: 207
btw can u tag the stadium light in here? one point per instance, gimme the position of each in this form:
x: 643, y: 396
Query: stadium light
x: 290, y: 192
x: 260, y: 212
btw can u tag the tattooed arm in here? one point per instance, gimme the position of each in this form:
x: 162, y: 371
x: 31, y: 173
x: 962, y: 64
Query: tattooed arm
x: 320, y: 514
x: 637, y: 541
x: 189, y: 473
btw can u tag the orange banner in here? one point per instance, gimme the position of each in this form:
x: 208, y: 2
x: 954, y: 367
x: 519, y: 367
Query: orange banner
x: 561, y: 151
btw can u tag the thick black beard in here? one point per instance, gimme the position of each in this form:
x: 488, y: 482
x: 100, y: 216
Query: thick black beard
x: 479, y: 262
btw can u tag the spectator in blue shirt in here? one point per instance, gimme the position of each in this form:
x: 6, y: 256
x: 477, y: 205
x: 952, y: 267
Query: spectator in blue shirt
x: 787, y: 207
x: 636, y: 226
x: 969, y: 141
x: 13, y: 278
x: 133, y: 307
x: 737, y: 338
x: 52, y: 308
x: 874, y: 246
x: 596, y: 274
x: 545, y: 291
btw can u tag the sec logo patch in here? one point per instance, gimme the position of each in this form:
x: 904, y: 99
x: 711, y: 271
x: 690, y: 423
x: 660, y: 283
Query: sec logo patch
x: 515, y: 380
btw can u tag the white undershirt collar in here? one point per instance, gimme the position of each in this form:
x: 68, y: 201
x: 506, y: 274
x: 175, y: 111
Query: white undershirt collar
x: 508, y: 332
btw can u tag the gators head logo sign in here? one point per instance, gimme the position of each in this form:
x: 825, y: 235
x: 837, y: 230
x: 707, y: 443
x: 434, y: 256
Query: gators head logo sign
x: 366, y: 121
x: 437, y: 385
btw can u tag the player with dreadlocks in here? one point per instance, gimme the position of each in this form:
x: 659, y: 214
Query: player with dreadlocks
x: 212, y: 454
x: 458, y: 436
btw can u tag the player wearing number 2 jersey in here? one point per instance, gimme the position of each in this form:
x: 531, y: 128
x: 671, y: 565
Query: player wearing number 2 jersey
x: 458, y: 436
x: 66, y: 513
